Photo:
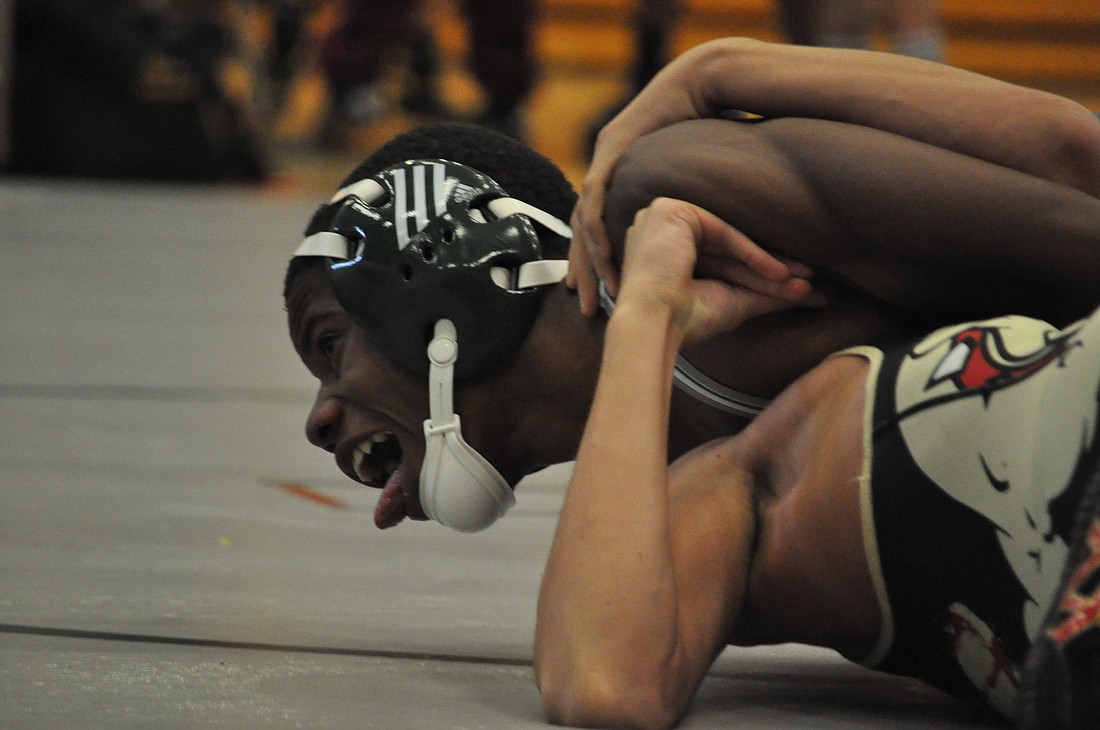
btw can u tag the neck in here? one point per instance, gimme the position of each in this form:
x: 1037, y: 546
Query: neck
x: 543, y: 396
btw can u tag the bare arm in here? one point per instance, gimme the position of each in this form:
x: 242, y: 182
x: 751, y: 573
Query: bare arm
x: 1023, y: 129
x: 648, y: 566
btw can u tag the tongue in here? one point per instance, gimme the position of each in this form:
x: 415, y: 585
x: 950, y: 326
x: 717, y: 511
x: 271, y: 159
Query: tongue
x: 390, y: 509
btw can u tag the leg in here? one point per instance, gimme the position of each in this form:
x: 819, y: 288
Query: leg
x: 653, y: 26
x: 420, y: 91
x: 287, y: 26
x: 854, y: 203
x: 502, y: 58
x: 654, y: 21
x: 352, y: 55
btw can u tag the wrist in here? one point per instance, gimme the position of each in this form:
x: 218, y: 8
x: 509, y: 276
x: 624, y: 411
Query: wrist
x: 709, y: 77
x: 645, y: 320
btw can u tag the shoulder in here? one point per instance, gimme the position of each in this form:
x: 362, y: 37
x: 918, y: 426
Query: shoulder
x: 827, y: 397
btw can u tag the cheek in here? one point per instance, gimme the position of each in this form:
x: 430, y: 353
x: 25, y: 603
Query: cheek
x: 379, y: 384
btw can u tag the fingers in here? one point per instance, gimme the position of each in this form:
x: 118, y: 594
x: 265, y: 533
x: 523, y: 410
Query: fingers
x: 794, y: 288
x: 727, y: 254
x: 588, y: 215
x: 712, y: 276
x: 590, y: 257
x: 720, y: 307
x: 590, y: 235
x: 719, y: 238
x: 797, y: 268
x: 582, y: 277
x: 706, y: 238
x: 741, y: 305
x: 723, y: 252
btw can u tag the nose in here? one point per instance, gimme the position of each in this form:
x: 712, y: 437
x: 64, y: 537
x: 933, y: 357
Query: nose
x: 323, y: 422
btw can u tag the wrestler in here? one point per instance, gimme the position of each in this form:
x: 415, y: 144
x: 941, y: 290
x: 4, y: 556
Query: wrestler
x: 982, y: 436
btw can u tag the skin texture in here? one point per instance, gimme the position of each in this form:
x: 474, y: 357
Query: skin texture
x: 1036, y: 133
x: 548, y: 388
x: 653, y: 568
x: 360, y: 392
x: 924, y: 210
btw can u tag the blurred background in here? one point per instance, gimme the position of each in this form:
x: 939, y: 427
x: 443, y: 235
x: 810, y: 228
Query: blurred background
x: 291, y: 93
x: 173, y: 553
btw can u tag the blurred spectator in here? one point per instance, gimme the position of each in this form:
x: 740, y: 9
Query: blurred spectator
x: 918, y: 29
x: 800, y: 20
x: 7, y: 19
x: 654, y: 23
x: 288, y: 23
x: 354, y: 53
x: 129, y: 89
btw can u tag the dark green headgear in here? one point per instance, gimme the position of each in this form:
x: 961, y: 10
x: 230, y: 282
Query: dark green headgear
x: 426, y: 240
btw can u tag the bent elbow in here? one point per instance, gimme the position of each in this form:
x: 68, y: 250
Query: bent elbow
x: 1083, y: 150
x: 596, y: 700
x: 1073, y: 144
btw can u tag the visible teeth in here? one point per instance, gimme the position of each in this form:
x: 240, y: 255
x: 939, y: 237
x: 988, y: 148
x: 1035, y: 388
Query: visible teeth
x: 362, y: 454
x: 358, y: 458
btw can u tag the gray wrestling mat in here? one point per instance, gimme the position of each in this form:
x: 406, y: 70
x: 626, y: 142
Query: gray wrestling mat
x: 158, y: 570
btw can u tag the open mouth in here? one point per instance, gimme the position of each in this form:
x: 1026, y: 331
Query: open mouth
x: 377, y: 458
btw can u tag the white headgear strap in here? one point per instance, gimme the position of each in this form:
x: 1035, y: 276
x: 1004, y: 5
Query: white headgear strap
x: 458, y: 487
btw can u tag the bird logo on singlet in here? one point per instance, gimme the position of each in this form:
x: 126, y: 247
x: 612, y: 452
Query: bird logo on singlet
x: 978, y: 359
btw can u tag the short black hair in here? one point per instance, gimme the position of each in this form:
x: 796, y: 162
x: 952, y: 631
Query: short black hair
x: 523, y: 173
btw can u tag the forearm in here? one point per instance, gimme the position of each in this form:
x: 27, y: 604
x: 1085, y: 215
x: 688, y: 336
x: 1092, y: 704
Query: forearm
x: 1024, y: 129
x: 649, y: 564
x: 607, y: 627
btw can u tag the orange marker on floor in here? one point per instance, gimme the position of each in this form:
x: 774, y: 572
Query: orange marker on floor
x: 301, y: 490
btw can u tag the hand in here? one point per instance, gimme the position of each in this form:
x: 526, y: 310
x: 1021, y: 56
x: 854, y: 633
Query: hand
x: 669, y: 98
x: 711, y: 275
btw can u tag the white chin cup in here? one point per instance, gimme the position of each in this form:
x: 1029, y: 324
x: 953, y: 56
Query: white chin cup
x: 458, y: 487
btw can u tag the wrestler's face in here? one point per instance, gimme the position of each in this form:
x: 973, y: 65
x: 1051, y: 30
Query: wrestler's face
x: 368, y: 413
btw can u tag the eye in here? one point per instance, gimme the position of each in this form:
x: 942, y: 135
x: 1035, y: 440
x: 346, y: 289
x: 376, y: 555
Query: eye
x: 328, y: 346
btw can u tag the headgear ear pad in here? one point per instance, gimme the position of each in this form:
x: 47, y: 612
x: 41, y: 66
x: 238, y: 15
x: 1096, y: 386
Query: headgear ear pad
x: 425, y: 252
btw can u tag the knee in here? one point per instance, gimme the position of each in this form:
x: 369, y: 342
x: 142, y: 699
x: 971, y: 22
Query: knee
x: 664, y: 163
x: 1070, y: 140
x: 1081, y: 152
